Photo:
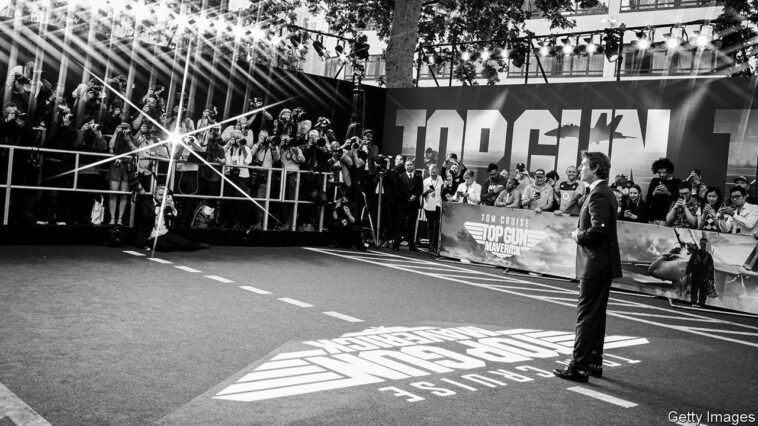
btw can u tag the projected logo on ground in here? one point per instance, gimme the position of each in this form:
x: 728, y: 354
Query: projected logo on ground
x: 504, y: 236
x: 380, y: 355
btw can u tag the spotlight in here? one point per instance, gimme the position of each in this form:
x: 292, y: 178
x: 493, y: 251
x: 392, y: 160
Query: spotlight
x: 672, y: 43
x: 547, y: 48
x: 642, y: 42
x: 162, y: 13
x: 568, y: 48
x: 141, y: 11
x: 275, y: 39
x: 485, y: 55
x: 360, y: 47
x: 318, y: 46
x: 257, y: 33
x: 465, y: 56
x: 239, y: 31
x: 704, y: 36
x: 675, y: 38
x: 517, y: 54
x: 202, y: 24
x: 181, y: 21
x: 339, y: 49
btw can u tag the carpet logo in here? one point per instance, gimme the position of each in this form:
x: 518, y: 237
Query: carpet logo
x: 379, y: 355
x: 504, y: 236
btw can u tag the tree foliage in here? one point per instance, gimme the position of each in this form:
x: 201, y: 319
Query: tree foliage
x: 737, y: 27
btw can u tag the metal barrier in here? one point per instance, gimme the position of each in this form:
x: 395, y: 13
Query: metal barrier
x: 13, y: 153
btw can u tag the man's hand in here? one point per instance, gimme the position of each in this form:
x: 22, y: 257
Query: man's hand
x: 558, y: 213
x: 413, y: 198
x: 538, y: 210
x: 574, y: 235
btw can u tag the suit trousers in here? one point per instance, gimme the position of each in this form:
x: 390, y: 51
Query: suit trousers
x: 405, y: 225
x: 590, y: 322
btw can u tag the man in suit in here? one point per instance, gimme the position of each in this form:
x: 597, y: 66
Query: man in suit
x: 408, y: 188
x: 598, y: 262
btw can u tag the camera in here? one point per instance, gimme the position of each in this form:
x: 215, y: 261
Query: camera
x: 20, y: 79
x: 521, y: 167
x: 97, y: 127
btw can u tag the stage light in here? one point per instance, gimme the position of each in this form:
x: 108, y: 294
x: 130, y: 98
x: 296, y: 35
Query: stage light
x: 547, y: 48
x: 239, y: 31
x: 257, y: 33
x: 202, y: 24
x: 181, y: 21
x: 276, y: 40
x: 339, y: 49
x: 117, y: 6
x: 162, y: 13
x: 591, y: 47
x: 141, y: 11
x: 704, y: 36
x: 567, y: 48
x: 318, y: 46
x: 672, y: 43
x: 485, y: 55
x: 465, y: 56
x: 642, y: 42
x: 675, y: 38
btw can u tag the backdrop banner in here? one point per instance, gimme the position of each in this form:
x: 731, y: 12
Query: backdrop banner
x: 698, y: 123
x: 654, y: 258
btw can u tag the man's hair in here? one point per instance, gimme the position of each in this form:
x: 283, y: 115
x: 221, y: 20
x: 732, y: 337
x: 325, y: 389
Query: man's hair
x: 469, y: 173
x: 492, y: 167
x: 598, y: 162
x: 684, y: 185
x: 159, y: 181
x: 739, y: 189
x: 454, y: 156
x: 663, y: 163
x: 552, y: 174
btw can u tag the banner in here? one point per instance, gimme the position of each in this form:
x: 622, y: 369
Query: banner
x: 653, y: 258
x: 699, y: 124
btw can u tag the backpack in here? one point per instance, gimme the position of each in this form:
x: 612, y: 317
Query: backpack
x: 204, y: 217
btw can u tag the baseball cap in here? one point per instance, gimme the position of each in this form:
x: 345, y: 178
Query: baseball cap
x: 539, y: 172
x: 740, y: 178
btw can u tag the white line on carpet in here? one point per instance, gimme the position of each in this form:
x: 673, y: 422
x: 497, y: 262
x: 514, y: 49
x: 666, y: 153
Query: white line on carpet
x: 347, y: 318
x: 157, y: 260
x: 603, y: 397
x: 134, y: 253
x: 219, y: 279
x: 254, y: 290
x: 187, y: 269
x: 295, y: 302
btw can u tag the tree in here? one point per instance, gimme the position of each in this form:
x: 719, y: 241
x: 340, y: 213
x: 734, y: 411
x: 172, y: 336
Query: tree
x: 408, y: 23
x: 737, y: 27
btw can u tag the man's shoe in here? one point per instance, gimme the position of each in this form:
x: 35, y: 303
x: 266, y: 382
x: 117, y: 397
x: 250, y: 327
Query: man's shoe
x: 571, y: 373
x: 595, y: 370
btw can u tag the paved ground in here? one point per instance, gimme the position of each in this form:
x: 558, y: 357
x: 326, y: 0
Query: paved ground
x: 245, y: 336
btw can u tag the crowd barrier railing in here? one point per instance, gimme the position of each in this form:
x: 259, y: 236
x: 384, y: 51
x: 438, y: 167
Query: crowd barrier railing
x: 653, y: 257
x: 32, y: 180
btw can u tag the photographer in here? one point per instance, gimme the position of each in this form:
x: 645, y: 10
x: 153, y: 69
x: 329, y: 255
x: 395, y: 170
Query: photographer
x: 265, y: 154
x: 89, y: 139
x: 260, y: 120
x: 284, y: 124
x: 707, y: 219
x: 145, y: 166
x: 20, y: 94
x: 302, y: 124
x: 372, y: 151
x: 510, y: 196
x: 237, y: 154
x: 292, y: 157
x: 683, y: 211
x: 344, y: 225
x: 113, y: 120
x: 207, y: 119
x: 151, y: 109
x: 88, y: 106
x: 210, y: 181
x: 662, y: 190
x: 493, y: 186
x: 12, y: 127
x: 538, y: 196
x: 149, y: 228
x: 120, y: 172
x: 522, y: 177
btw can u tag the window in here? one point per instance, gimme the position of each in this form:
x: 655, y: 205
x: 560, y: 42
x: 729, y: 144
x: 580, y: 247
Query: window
x: 562, y: 66
x: 375, y: 68
x: 641, y: 5
x: 690, y: 61
x: 600, y: 9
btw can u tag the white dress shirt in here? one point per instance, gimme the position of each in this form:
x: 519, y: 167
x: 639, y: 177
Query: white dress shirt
x: 472, y: 192
x: 433, y: 199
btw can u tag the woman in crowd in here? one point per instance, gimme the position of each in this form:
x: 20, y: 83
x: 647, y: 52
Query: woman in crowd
x: 634, y: 208
x: 707, y: 218
x: 146, y: 166
x: 449, y: 188
x: 432, y: 206
x: 120, y: 171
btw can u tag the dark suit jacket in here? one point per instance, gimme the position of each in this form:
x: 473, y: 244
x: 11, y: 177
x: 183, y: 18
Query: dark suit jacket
x: 405, y: 188
x: 597, y: 252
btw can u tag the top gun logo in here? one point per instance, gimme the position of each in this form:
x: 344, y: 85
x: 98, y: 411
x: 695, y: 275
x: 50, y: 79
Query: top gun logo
x: 380, y: 354
x: 504, y: 236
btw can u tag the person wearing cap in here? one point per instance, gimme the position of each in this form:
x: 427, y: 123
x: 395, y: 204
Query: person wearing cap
x: 743, y: 182
x: 701, y: 273
x: 522, y: 176
x: 538, y: 196
x: 742, y: 217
